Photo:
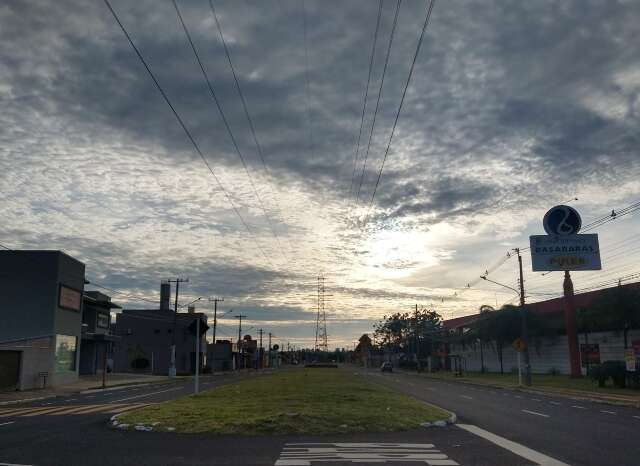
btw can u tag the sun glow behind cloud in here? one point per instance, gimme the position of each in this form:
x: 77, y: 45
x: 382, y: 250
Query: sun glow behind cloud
x: 495, y: 130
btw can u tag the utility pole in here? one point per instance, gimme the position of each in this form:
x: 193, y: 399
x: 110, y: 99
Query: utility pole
x: 239, y: 317
x: 172, y: 363
x: 215, y: 325
x: 197, y: 377
x: 270, y: 334
x: 416, y: 341
x: 260, y: 332
x: 523, y: 316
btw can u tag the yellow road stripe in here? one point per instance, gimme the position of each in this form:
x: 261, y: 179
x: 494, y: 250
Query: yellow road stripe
x: 130, y: 407
x: 48, y: 410
x: 89, y: 410
x: 18, y: 411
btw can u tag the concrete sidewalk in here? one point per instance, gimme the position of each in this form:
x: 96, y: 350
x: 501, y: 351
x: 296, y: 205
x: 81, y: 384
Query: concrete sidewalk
x: 85, y: 383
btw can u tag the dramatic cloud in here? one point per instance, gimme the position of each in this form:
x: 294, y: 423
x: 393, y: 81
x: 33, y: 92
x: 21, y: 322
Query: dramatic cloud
x: 513, y: 107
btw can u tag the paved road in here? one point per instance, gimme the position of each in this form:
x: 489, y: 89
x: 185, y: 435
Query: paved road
x: 72, y: 431
x: 576, y: 432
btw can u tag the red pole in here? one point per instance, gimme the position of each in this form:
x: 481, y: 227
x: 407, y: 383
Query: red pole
x: 570, y: 325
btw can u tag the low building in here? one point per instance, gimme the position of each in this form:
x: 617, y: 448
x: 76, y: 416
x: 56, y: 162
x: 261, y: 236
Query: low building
x: 41, y: 321
x: 220, y: 356
x: 97, y: 338
x: 549, y: 354
x: 145, y: 339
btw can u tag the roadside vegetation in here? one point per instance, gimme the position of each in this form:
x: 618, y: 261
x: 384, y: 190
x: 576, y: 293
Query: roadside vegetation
x: 553, y: 383
x: 300, y: 401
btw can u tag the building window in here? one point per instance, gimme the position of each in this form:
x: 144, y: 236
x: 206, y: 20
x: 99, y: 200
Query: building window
x: 65, y: 353
x: 102, y: 320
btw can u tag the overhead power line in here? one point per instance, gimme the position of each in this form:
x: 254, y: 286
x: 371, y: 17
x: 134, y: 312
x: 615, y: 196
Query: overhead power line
x: 226, y: 124
x: 404, y: 93
x: 366, y: 95
x: 245, y: 108
x: 375, y: 111
x: 306, y: 79
x: 185, y: 129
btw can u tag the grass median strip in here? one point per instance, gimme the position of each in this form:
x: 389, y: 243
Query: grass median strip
x: 302, y: 401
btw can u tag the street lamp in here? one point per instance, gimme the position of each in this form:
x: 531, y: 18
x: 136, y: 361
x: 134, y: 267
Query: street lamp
x: 189, y: 304
x: 523, y: 317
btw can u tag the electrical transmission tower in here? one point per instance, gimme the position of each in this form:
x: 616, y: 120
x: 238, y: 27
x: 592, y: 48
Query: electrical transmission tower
x: 321, y: 319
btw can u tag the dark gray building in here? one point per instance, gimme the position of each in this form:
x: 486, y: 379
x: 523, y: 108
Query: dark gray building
x: 97, y: 338
x: 41, y: 318
x: 146, y: 335
x: 220, y: 356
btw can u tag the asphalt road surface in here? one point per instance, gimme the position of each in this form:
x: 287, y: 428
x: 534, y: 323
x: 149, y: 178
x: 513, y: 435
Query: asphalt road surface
x: 68, y: 431
x: 577, y: 432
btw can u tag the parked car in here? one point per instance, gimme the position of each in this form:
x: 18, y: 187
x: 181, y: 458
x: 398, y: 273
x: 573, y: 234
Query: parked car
x: 386, y: 367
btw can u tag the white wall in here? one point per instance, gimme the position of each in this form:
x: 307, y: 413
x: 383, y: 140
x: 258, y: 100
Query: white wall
x: 552, y: 353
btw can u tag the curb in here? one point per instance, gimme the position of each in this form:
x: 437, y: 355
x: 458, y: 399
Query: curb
x: 586, y: 397
x: 452, y: 419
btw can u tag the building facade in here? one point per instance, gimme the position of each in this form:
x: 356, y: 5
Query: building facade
x: 41, y: 321
x: 97, y: 339
x: 145, y: 337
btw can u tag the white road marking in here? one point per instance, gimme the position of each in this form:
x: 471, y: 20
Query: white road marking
x: 146, y: 394
x: 520, y: 450
x: 534, y: 413
x: 607, y: 412
x: 303, y: 454
x: 637, y: 417
x: 7, y: 423
x: 408, y: 383
x: 463, y: 396
x: 555, y: 403
x: 533, y: 399
x: 578, y: 407
x: 14, y: 464
x: 517, y: 396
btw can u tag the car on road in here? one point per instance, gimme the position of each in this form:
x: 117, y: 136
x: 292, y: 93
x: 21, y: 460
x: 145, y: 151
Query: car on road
x: 386, y: 367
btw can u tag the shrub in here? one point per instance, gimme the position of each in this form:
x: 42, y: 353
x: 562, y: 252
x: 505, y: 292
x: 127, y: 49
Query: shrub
x: 140, y: 363
x: 615, y: 370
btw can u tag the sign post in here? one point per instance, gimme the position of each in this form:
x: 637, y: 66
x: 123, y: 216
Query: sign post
x: 519, y: 345
x: 563, y: 249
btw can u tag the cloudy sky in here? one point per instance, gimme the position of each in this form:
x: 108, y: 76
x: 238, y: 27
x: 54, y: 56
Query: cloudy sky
x: 513, y: 107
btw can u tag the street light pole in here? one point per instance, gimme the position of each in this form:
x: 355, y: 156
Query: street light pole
x: 525, y: 329
x: 523, y: 320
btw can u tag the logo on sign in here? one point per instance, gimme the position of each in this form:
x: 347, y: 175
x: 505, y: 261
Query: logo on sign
x: 562, y: 220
